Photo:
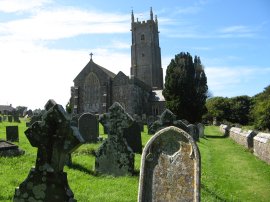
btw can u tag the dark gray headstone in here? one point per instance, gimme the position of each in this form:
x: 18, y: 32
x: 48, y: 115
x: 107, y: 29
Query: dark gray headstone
x: 16, y: 118
x: 170, y: 168
x: 114, y: 156
x: 9, y: 118
x: 7, y: 149
x: 88, y: 127
x: 200, y: 128
x: 132, y: 135
x: 12, y: 133
x: 193, y: 131
x: 138, y: 119
x: 55, y: 139
x: 0, y: 119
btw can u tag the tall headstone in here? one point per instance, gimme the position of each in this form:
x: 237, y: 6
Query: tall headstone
x: 200, y: 128
x: 55, y: 139
x: 170, y: 168
x: 16, y: 118
x: 193, y: 131
x: 12, y: 133
x: 132, y: 135
x: 10, y: 118
x: 138, y: 119
x: 114, y: 156
x: 88, y: 127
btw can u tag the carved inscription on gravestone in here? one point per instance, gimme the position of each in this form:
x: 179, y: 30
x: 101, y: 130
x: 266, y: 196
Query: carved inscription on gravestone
x: 170, y: 168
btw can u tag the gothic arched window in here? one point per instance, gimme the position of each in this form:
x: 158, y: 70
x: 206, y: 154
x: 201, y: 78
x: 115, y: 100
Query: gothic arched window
x: 91, y: 93
x: 142, y: 37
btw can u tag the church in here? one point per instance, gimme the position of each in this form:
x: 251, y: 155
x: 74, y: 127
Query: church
x: 96, y: 88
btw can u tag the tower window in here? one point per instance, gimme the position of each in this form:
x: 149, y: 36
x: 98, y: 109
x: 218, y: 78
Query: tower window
x: 142, y: 54
x: 142, y: 37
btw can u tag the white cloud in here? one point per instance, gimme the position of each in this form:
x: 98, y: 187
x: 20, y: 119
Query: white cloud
x: 63, y: 23
x: 12, y: 6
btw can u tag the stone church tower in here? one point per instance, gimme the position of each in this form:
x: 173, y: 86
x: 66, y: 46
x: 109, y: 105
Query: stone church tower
x: 145, y: 52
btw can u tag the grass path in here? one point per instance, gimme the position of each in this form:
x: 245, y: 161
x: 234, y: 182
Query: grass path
x: 230, y: 172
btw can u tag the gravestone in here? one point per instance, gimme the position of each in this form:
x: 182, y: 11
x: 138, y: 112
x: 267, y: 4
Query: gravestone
x: 12, y: 133
x: 132, y: 135
x: 193, y: 131
x: 9, y: 118
x: 16, y: 118
x: 55, y: 139
x: 166, y: 119
x: 103, y: 120
x: 114, y: 156
x: 200, y: 128
x: 88, y: 127
x: 170, y: 168
x: 0, y: 119
x: 4, y: 118
x: 8, y: 149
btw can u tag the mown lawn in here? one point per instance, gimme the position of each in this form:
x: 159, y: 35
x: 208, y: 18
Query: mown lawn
x: 229, y: 172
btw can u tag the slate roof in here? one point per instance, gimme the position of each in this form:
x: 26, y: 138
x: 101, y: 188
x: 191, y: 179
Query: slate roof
x: 91, y: 65
x: 6, y: 108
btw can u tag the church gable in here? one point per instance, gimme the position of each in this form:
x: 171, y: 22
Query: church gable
x: 120, y: 79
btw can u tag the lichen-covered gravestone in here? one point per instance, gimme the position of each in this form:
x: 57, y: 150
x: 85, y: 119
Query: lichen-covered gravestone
x: 88, y: 127
x: 115, y: 157
x: 55, y: 138
x: 170, y: 168
x: 12, y: 133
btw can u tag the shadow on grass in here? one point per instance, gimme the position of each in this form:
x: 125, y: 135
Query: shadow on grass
x: 215, y: 136
x: 212, y: 193
x: 81, y: 168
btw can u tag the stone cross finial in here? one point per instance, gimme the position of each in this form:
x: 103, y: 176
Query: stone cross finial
x: 55, y: 138
x: 91, y: 55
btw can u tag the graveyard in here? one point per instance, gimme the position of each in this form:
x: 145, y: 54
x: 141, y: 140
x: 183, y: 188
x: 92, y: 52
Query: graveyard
x: 229, y: 171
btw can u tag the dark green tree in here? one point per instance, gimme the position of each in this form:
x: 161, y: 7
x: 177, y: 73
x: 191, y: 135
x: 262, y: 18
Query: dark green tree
x: 261, y: 110
x: 239, y: 109
x: 186, y: 87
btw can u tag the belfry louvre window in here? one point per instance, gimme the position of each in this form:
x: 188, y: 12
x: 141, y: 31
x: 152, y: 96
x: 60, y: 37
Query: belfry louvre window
x: 142, y: 37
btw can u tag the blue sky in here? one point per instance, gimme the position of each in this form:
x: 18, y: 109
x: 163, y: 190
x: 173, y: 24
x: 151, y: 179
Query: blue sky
x: 44, y: 44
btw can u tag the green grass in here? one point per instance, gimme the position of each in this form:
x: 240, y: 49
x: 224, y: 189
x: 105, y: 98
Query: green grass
x: 229, y: 172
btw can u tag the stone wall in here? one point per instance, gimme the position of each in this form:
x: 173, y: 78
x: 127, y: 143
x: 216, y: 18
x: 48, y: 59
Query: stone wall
x: 258, y: 143
x: 242, y: 137
x: 262, y: 146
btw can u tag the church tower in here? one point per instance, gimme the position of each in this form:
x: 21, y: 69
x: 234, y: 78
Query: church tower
x: 145, y: 52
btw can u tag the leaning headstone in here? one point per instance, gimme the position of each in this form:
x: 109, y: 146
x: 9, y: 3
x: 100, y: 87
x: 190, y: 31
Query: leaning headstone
x: 8, y: 149
x: 200, y: 128
x: 55, y: 138
x: 114, y: 156
x: 170, y: 168
x: 9, y: 118
x: 88, y: 127
x: 12, y: 133
x: 132, y: 135
x: 193, y: 131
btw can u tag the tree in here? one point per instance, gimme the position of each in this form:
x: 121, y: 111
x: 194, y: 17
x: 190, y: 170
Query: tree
x: 186, y: 87
x: 239, y: 109
x: 218, y: 107
x: 261, y: 110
